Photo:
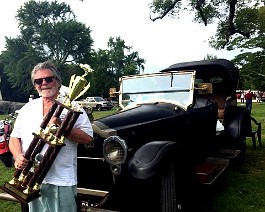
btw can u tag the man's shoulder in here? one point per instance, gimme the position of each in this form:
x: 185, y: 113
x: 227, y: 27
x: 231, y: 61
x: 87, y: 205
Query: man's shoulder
x: 31, y: 104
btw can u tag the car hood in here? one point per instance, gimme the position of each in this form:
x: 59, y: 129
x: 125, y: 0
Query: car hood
x: 138, y: 115
x: 105, y: 102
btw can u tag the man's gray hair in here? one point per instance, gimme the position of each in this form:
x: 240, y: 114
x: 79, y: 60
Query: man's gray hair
x: 46, y: 65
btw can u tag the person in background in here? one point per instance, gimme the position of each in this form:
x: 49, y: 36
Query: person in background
x: 259, y: 95
x: 242, y: 97
x: 58, y: 189
x: 248, y: 97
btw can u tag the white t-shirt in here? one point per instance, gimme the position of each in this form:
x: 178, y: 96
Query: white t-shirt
x: 64, y: 169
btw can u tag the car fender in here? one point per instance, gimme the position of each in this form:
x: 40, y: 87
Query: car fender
x: 149, y: 159
x: 237, y: 125
x: 237, y: 122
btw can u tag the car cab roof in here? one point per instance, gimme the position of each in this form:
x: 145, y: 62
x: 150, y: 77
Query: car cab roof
x: 207, y: 70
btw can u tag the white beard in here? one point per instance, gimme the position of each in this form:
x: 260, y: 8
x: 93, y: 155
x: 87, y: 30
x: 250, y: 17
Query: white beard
x: 48, y: 92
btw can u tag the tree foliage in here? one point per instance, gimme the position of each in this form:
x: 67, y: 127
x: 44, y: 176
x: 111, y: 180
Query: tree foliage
x: 110, y: 64
x: 240, y: 25
x: 233, y: 17
x: 122, y: 61
x: 50, y: 31
x: 17, y: 62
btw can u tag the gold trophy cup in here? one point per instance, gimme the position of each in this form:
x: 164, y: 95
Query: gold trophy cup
x: 25, y: 185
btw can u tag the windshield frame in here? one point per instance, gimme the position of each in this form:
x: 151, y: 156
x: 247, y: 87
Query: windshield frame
x: 175, y: 87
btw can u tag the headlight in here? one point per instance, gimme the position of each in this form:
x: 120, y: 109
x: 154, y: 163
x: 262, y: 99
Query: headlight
x: 115, y: 150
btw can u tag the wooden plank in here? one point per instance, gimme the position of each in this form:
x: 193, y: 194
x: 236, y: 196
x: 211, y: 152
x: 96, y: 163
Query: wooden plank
x: 211, y: 170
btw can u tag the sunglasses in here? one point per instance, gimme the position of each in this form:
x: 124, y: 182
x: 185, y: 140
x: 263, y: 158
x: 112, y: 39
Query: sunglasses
x: 39, y: 81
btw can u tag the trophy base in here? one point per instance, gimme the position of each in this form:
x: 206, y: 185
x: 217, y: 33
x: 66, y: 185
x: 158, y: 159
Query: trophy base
x: 19, y: 195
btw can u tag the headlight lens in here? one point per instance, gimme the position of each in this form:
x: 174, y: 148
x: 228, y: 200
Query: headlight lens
x: 115, y: 150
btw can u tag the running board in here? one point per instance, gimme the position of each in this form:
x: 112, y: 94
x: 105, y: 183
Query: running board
x: 211, y: 170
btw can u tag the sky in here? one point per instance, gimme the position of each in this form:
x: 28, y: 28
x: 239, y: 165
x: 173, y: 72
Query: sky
x: 161, y: 43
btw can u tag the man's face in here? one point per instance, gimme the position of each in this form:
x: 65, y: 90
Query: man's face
x: 46, y: 84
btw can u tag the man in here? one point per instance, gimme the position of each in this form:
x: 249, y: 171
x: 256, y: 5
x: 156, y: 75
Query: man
x: 248, y: 97
x: 242, y: 97
x: 58, y: 189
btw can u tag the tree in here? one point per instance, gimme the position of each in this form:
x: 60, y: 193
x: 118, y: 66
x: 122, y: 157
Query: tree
x: 252, y: 63
x: 240, y: 25
x: 102, y: 78
x: 122, y: 63
x: 56, y: 32
x: 230, y: 15
x: 111, y: 64
x: 17, y: 63
x: 210, y: 57
x: 49, y: 30
x: 252, y: 70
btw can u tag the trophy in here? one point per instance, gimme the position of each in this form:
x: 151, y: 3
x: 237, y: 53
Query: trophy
x: 25, y: 184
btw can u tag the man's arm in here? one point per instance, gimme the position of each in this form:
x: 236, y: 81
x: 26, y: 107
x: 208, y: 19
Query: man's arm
x: 76, y: 134
x: 16, y: 150
x: 15, y: 146
x: 79, y: 136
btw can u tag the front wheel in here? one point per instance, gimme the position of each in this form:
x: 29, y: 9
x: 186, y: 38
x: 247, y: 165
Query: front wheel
x: 168, y: 191
x: 98, y: 108
x: 179, y: 189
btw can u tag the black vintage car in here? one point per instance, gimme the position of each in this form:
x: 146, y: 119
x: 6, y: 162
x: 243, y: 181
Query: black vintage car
x: 177, y: 131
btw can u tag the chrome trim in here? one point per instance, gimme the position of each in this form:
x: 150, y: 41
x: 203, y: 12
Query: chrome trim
x: 92, y: 192
x: 89, y: 158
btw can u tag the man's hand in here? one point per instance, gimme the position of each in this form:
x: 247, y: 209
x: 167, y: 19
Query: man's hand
x: 20, y: 161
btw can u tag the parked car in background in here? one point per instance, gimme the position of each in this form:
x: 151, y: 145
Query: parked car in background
x: 97, y: 103
x: 177, y: 131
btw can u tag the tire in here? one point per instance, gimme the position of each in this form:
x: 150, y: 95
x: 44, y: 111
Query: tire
x: 7, y: 159
x: 180, y: 190
x: 98, y: 108
x: 169, y: 201
x: 237, y: 124
x: 173, y: 187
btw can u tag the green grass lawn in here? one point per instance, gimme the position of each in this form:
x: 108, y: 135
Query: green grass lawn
x: 240, y: 189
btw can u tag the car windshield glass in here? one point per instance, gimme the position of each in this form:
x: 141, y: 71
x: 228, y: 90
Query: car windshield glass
x: 174, y: 87
x: 99, y: 99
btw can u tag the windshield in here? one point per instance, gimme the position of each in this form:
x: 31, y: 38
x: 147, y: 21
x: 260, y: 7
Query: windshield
x: 99, y: 99
x: 174, y: 87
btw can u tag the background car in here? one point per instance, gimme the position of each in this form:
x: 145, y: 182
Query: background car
x: 178, y: 130
x: 97, y: 103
